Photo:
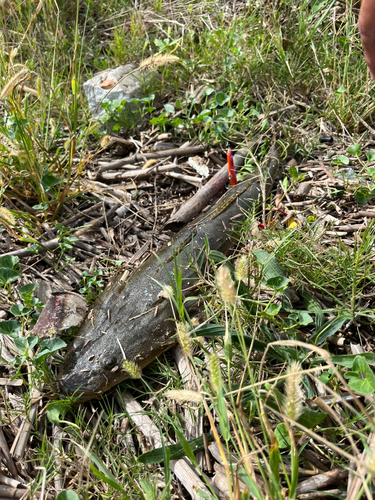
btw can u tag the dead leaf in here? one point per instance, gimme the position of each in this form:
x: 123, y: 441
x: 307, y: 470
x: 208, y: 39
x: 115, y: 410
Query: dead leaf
x: 107, y: 84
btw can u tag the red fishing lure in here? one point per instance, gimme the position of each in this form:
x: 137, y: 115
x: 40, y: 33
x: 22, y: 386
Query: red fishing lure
x: 231, y: 171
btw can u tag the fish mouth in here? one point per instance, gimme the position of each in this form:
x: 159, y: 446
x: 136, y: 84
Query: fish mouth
x: 78, y: 386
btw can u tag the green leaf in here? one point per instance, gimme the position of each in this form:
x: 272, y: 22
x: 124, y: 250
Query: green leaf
x: 282, y: 436
x: 227, y: 112
x: 273, y: 309
x: 48, y: 347
x: 27, y: 289
x: 362, y: 378
x: 221, y: 98
x: 325, y: 377
x: 370, y: 155
x: 354, y: 149
x: 329, y: 328
x: 223, y: 415
x: 341, y: 160
x: 67, y: 495
x: 271, y: 266
x: 217, y: 256
x: 371, y: 171
x: 49, y: 181
x: 25, y: 343
x: 10, y: 262
x: 56, y: 411
x: 304, y: 318
x: 313, y: 306
x: 265, y: 125
x: 278, y: 283
x: 186, y: 446
x: 34, y: 248
x: 169, y: 108
x: 176, y: 451
x: 340, y: 90
x: 347, y: 360
x: 293, y: 172
x: 251, y: 484
x: 53, y: 344
x: 19, y: 310
x: 274, y: 462
x: 363, y: 195
x: 10, y: 327
x: 41, y: 207
x: 100, y: 470
x: 8, y: 275
x: 203, y: 494
x: 106, y: 478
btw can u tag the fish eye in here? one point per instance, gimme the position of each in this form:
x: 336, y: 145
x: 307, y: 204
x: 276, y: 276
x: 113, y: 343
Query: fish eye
x: 108, y: 362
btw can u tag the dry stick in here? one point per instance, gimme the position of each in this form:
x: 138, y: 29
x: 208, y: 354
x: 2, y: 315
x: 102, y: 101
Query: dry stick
x: 220, y: 481
x: 141, y: 157
x: 6, y: 454
x: 8, y: 481
x: 57, y: 434
x: 315, y: 495
x: 194, y: 181
x: 52, y: 244
x: 370, y: 129
x: 321, y: 481
x: 181, y: 468
x: 193, y: 429
x: 10, y: 492
x: 327, y: 172
x: 367, y: 213
x: 135, y: 174
x: 200, y: 200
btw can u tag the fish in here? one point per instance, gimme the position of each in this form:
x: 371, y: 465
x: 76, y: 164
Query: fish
x: 130, y: 320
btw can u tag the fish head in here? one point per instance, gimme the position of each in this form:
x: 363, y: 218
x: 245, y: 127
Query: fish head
x: 94, y: 362
x: 87, y: 374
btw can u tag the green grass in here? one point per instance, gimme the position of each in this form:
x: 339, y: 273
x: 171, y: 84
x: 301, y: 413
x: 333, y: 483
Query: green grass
x: 264, y: 58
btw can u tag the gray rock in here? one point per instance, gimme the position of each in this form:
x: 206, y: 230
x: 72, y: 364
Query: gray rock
x: 135, y: 85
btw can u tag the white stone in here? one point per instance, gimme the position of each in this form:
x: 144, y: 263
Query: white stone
x: 134, y: 85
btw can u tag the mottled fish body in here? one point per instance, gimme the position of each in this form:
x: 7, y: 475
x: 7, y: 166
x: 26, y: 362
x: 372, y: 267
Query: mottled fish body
x: 130, y: 319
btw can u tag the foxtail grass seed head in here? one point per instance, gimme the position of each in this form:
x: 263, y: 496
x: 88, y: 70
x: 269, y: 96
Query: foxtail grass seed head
x: 13, y: 82
x: 132, y: 369
x: 226, y: 286
x: 106, y: 141
x: 166, y: 293
x: 154, y: 62
x: 242, y: 268
x: 215, y: 372
x: 13, y: 54
x: 293, y: 395
x: 7, y: 216
x: 22, y: 157
x: 184, y: 338
x: 39, y: 86
x: 184, y: 396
